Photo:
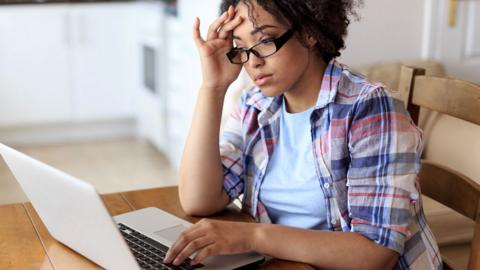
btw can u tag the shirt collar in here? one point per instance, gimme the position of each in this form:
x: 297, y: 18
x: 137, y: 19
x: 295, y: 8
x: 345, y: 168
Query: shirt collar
x: 328, y: 88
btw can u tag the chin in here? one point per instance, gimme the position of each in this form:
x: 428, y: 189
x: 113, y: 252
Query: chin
x: 270, y: 91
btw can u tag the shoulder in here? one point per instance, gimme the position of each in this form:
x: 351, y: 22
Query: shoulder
x: 355, y: 89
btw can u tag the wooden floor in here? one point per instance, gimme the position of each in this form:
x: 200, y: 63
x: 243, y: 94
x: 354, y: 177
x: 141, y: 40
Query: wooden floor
x: 111, y: 166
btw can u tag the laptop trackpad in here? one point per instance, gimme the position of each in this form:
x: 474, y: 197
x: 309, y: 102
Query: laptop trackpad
x: 172, y: 233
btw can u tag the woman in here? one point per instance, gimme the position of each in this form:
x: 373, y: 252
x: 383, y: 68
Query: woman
x: 325, y: 159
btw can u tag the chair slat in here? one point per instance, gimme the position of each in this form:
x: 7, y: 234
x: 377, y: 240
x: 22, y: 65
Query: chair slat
x: 450, y: 188
x: 407, y: 82
x: 453, y: 97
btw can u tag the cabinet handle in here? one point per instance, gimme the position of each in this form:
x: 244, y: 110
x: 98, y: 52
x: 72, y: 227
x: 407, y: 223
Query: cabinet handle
x: 452, y: 13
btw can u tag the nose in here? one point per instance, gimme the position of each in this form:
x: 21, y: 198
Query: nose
x: 254, y: 61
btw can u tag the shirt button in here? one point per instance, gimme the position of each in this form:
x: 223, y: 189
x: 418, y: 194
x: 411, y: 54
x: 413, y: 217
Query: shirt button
x: 333, y: 221
x: 326, y: 185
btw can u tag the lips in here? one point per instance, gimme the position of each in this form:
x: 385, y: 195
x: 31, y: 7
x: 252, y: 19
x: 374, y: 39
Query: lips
x: 262, y: 79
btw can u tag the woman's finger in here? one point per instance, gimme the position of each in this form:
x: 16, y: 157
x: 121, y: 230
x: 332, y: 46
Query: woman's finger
x: 192, y: 247
x: 213, y: 29
x: 183, y: 240
x: 225, y: 32
x: 230, y: 17
x: 197, y: 37
x: 230, y: 14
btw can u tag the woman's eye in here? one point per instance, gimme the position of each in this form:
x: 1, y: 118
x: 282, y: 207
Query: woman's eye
x: 238, y: 50
x: 267, y: 40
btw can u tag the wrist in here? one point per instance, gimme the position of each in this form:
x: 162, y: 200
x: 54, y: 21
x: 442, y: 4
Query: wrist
x: 257, y: 237
x: 216, y: 92
x: 214, y: 87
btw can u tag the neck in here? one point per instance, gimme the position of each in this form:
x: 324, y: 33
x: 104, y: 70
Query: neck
x: 304, y: 92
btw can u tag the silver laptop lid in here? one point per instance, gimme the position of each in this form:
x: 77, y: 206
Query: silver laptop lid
x: 71, y: 210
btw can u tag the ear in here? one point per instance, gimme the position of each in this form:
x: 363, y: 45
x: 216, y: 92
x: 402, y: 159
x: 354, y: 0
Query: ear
x: 310, y: 41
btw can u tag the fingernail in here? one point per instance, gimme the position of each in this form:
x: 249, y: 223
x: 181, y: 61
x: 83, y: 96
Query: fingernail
x: 176, y: 262
x: 167, y: 258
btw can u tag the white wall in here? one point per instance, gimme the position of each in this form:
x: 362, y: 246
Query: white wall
x: 387, y: 30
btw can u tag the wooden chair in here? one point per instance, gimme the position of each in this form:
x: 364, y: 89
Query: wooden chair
x: 451, y: 188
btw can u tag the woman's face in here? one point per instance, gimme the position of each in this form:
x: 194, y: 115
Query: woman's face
x: 280, y: 72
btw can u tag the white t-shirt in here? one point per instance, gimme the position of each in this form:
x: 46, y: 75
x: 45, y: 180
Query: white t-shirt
x: 291, y: 190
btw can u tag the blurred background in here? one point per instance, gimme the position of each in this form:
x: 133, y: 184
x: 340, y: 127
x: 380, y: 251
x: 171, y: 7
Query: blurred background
x: 105, y: 90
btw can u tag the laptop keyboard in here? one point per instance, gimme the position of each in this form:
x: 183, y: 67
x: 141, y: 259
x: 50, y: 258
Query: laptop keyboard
x: 150, y: 253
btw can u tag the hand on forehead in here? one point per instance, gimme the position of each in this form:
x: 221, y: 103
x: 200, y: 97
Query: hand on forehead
x: 256, y: 20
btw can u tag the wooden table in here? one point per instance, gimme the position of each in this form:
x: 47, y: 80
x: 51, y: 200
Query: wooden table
x: 26, y: 244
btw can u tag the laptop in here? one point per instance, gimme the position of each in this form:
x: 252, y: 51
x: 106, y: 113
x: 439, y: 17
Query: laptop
x: 75, y: 215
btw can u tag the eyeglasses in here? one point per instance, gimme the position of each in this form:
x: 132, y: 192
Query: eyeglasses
x: 262, y: 49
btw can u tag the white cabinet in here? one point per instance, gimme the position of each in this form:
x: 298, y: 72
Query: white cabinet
x: 66, y: 63
x: 34, y: 65
x: 184, y: 73
x: 103, y: 56
x: 151, y: 96
x: 178, y: 95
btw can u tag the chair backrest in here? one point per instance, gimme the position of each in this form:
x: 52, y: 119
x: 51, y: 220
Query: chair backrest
x: 451, y: 188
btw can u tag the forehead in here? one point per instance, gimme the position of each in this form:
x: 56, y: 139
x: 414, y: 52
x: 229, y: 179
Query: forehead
x: 254, y: 16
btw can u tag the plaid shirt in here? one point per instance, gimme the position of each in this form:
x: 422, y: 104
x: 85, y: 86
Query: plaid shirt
x: 367, y: 156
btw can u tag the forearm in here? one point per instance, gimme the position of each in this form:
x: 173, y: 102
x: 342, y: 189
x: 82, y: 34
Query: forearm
x: 201, y: 174
x: 323, y: 249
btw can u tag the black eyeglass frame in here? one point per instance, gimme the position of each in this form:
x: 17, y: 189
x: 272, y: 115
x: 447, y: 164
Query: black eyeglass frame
x: 279, y: 42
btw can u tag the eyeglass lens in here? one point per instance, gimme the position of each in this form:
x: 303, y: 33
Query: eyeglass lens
x: 260, y: 50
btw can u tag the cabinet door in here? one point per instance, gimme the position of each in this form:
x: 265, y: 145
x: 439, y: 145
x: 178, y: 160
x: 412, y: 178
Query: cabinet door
x: 182, y: 58
x: 34, y: 73
x: 103, y: 61
x: 454, y: 37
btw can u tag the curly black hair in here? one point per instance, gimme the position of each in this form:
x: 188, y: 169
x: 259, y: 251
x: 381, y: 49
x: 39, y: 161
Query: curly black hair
x: 325, y: 20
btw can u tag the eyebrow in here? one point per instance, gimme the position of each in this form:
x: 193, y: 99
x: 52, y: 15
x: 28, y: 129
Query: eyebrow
x: 257, y: 29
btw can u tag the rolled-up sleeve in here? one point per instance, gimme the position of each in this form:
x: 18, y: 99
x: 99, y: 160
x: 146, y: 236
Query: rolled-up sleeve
x: 385, y: 148
x: 231, y: 153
